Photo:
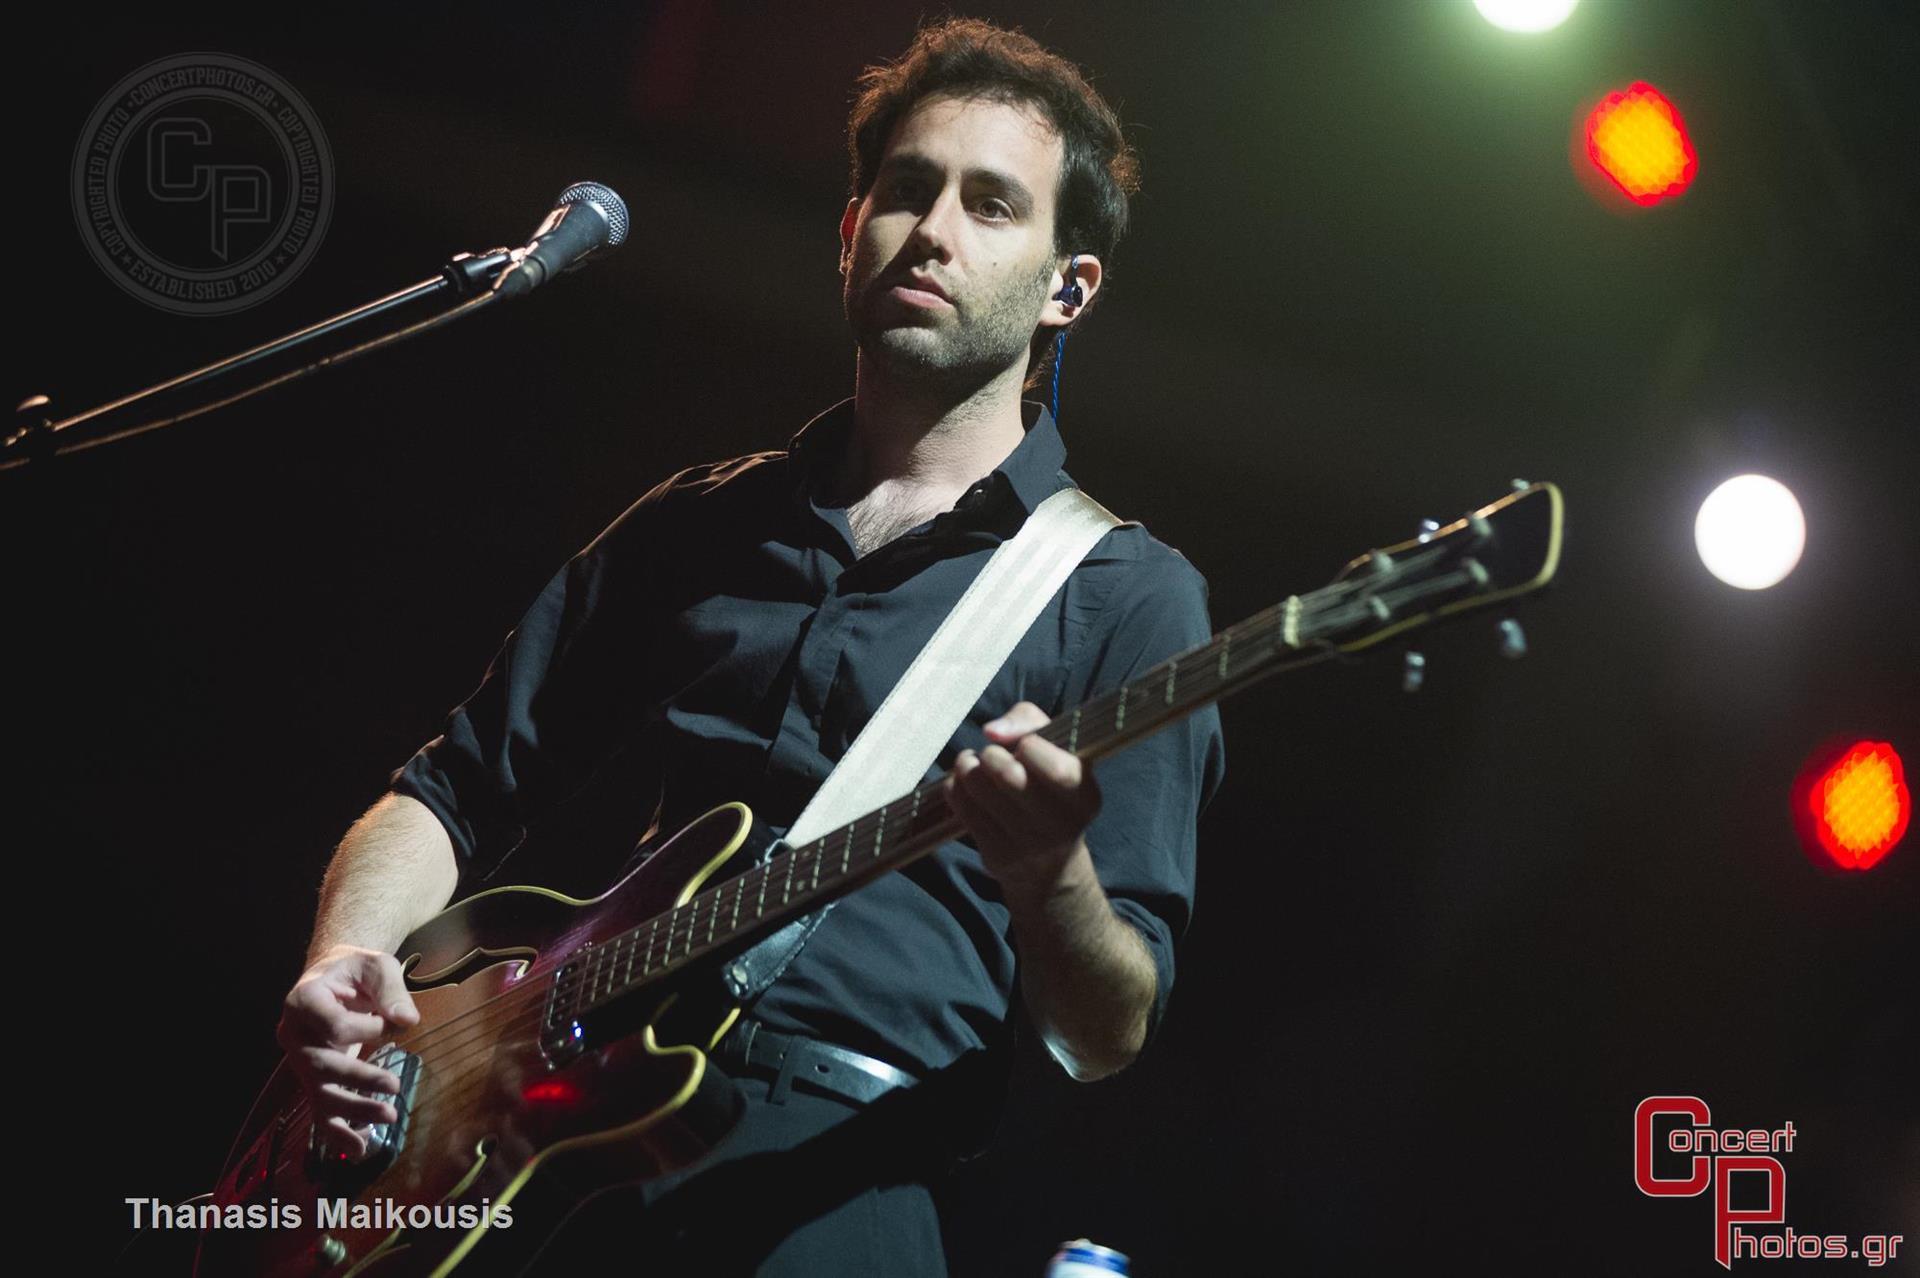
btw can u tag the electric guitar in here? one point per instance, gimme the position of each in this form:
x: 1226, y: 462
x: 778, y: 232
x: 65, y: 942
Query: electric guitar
x: 571, y: 1036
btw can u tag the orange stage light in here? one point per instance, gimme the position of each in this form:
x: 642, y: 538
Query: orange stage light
x: 1636, y: 138
x: 1860, y: 805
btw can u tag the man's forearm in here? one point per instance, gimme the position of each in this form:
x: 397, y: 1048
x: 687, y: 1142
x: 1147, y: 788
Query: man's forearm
x: 1088, y: 978
x: 394, y: 870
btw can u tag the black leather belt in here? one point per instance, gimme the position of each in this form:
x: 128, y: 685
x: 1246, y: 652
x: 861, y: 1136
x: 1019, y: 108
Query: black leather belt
x: 791, y: 1060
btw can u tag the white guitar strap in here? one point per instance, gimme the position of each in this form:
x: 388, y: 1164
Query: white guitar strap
x: 920, y: 715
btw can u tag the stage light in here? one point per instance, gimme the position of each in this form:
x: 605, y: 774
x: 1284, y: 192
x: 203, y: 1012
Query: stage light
x: 1860, y: 806
x: 1750, y: 532
x: 1525, y: 15
x: 1636, y: 137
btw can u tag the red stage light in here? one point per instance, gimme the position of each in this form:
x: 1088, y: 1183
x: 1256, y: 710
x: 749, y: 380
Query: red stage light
x: 1636, y: 137
x: 1860, y: 805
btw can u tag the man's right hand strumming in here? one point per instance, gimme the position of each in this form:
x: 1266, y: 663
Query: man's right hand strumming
x: 348, y: 1001
x: 394, y: 869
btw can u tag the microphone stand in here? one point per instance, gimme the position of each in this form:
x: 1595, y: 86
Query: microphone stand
x: 469, y: 277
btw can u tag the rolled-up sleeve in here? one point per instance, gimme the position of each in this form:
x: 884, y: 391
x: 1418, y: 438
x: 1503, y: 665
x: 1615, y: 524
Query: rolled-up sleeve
x: 559, y: 698
x: 1144, y: 840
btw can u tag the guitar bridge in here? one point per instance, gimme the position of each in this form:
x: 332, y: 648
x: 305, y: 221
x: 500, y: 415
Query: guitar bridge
x: 384, y: 1140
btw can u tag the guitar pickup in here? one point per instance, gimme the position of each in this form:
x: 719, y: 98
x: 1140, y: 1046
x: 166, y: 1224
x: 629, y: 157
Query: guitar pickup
x: 384, y: 1140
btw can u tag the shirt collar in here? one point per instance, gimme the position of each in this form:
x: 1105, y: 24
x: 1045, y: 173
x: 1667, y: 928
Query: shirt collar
x: 1031, y: 470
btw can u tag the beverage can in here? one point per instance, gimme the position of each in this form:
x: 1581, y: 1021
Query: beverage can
x: 1083, y: 1259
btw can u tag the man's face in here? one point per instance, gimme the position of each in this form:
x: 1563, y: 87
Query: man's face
x: 962, y: 204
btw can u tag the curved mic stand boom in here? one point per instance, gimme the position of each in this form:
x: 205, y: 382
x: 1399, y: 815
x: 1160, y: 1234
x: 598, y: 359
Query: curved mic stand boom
x: 587, y: 217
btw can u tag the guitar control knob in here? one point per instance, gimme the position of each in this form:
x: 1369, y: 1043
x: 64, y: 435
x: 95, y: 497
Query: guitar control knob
x: 1413, y: 672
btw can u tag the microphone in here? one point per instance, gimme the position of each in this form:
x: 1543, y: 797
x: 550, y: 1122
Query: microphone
x: 586, y: 218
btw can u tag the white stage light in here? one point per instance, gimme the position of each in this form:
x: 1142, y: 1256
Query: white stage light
x: 1525, y: 15
x: 1750, y: 532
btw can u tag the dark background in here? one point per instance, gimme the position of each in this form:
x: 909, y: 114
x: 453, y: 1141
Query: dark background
x: 1443, y: 943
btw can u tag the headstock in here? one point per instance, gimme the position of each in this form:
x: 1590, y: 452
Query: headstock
x: 1508, y: 548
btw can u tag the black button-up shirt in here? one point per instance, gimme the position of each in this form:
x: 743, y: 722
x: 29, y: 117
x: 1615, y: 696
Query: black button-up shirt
x: 725, y: 629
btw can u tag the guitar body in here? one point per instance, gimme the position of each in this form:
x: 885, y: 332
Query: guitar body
x: 496, y: 1118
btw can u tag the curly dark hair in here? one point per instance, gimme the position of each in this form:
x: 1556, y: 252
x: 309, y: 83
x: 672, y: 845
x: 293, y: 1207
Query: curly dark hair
x: 967, y: 57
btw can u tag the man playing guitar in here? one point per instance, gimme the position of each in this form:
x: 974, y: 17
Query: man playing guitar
x: 735, y: 629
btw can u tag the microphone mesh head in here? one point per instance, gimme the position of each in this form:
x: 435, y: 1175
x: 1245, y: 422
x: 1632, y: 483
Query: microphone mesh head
x: 611, y: 206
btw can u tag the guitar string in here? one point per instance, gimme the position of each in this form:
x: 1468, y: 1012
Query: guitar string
x: 509, y: 1011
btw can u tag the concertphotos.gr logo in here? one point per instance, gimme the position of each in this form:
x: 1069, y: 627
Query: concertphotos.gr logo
x: 202, y: 183
x: 1712, y: 1157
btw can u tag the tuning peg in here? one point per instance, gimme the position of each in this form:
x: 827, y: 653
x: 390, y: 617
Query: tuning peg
x: 1513, y: 640
x: 1521, y: 485
x: 1413, y: 672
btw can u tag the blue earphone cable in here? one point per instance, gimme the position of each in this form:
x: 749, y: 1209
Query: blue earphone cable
x: 1070, y: 294
x: 1059, y: 358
